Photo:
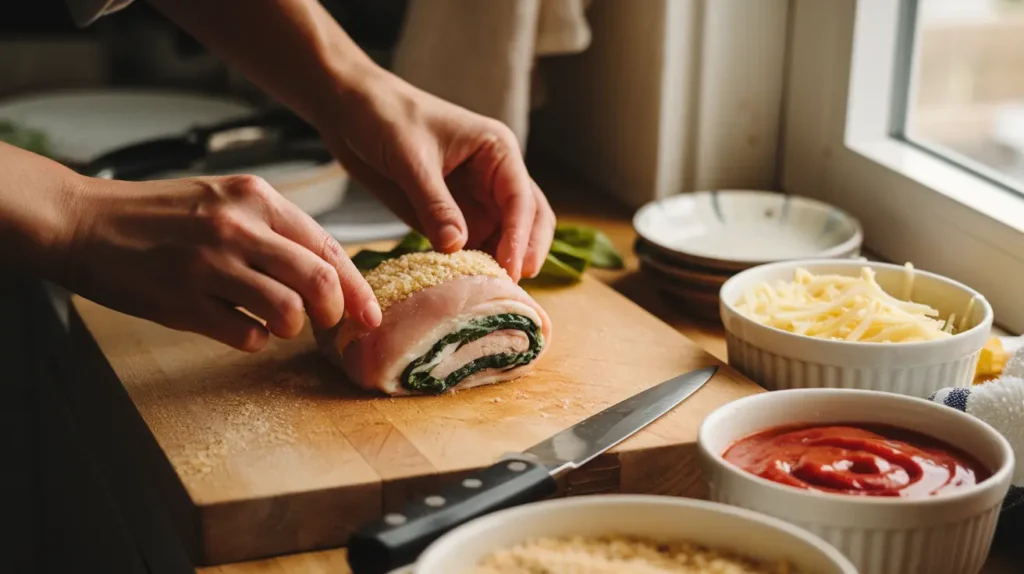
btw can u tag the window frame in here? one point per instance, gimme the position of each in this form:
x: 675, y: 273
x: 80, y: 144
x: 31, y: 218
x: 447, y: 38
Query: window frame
x: 839, y: 145
x: 904, y: 92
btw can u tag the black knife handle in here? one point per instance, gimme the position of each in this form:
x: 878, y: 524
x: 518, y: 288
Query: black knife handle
x: 399, y: 538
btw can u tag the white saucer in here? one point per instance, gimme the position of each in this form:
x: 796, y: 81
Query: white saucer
x: 738, y: 229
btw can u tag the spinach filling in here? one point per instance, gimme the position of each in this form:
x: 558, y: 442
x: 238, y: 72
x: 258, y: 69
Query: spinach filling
x: 417, y: 377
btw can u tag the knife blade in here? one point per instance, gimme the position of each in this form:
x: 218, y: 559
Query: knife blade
x: 519, y: 478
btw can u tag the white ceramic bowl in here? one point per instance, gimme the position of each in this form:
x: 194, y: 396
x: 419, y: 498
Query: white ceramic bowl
x: 778, y: 359
x: 316, y: 190
x: 737, y: 229
x: 945, y: 534
x: 660, y: 517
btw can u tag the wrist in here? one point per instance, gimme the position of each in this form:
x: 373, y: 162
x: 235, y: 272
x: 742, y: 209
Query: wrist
x: 349, y: 91
x: 39, y: 210
x: 52, y: 233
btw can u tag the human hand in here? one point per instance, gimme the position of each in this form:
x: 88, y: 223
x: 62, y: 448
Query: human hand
x: 186, y: 253
x: 456, y: 176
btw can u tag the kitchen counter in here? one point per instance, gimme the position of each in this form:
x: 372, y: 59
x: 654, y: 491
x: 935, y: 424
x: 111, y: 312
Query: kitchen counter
x: 573, y: 203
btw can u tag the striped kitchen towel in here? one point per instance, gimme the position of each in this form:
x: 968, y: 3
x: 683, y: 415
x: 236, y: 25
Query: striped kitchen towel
x: 1000, y: 403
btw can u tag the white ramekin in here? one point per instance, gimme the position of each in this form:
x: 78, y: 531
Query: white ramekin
x: 778, y: 359
x: 945, y: 534
x: 660, y: 517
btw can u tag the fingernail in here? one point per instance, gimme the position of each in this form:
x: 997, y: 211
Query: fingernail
x: 372, y: 316
x: 449, y: 236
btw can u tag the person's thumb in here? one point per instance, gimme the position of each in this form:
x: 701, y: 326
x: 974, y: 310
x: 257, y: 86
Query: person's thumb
x: 438, y: 213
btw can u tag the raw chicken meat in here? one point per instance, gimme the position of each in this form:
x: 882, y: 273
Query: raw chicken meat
x: 450, y: 321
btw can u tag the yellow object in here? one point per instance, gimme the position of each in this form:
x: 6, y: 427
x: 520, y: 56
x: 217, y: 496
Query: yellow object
x: 991, y: 362
x: 846, y: 308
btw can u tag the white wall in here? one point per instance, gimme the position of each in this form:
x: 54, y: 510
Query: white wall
x: 673, y: 95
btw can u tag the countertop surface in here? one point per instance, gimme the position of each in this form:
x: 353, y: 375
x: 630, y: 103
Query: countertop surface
x: 575, y: 203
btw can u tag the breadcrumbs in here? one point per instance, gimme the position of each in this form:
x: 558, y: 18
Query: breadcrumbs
x: 395, y: 279
x: 619, y: 555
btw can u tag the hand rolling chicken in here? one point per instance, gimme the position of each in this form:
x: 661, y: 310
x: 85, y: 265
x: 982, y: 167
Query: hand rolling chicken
x: 450, y: 321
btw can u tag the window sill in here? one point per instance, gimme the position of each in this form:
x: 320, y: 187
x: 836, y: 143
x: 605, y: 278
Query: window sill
x: 950, y: 189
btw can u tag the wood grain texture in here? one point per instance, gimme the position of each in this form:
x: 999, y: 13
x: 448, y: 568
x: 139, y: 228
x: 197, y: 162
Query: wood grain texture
x: 278, y: 453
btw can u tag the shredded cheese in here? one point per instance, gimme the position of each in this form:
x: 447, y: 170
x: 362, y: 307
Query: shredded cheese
x: 847, y: 308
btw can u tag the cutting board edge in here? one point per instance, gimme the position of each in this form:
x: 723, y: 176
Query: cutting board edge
x: 218, y: 523
x: 179, y: 516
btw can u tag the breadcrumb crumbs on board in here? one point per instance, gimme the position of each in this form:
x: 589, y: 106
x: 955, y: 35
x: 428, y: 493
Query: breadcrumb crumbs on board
x: 620, y: 555
x: 396, y: 279
x: 241, y: 423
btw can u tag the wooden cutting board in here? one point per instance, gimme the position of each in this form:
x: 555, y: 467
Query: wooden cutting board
x: 274, y: 452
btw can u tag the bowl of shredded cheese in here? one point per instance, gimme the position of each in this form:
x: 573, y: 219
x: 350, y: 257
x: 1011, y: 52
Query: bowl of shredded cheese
x: 615, y: 534
x: 853, y: 324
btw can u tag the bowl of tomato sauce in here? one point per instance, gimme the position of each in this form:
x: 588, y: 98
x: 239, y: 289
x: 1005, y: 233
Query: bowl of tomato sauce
x: 898, y: 484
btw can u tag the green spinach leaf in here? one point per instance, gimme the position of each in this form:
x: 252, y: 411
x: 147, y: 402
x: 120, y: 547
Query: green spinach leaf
x: 573, y: 250
x: 25, y: 138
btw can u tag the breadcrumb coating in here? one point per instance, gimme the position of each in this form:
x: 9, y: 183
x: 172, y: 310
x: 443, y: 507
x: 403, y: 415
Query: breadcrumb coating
x: 396, y: 279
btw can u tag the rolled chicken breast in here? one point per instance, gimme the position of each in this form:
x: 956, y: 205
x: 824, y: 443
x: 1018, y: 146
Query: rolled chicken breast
x: 450, y: 321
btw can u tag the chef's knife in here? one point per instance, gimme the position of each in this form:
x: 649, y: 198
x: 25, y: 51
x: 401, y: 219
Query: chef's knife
x: 398, y: 538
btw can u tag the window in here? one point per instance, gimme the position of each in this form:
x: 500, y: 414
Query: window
x: 863, y: 129
x: 965, y: 88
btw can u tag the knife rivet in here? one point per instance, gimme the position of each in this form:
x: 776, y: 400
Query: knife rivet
x: 472, y: 483
x: 435, y: 501
x: 517, y: 466
x: 395, y: 519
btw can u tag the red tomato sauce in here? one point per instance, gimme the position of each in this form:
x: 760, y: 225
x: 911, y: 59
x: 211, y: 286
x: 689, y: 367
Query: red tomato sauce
x: 864, y: 460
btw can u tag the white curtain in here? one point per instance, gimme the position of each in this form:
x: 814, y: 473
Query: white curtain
x: 480, y: 54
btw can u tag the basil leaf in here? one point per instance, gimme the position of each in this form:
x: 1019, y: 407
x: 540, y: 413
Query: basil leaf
x: 413, y: 242
x: 368, y: 259
x: 576, y: 257
x: 28, y: 139
x: 573, y: 250
x: 602, y: 253
x: 556, y: 270
x: 605, y: 255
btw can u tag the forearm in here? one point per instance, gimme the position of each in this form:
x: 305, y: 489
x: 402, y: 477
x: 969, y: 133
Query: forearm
x: 292, y: 49
x: 36, y: 207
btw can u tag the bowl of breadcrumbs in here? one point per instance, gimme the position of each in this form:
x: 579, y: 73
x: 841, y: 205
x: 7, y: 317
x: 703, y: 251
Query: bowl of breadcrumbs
x: 630, y: 534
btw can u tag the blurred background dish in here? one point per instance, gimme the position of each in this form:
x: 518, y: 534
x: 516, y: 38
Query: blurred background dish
x: 690, y: 244
x: 77, y: 126
x: 650, y: 257
x: 732, y: 230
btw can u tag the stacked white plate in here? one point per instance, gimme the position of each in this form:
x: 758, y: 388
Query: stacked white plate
x: 690, y: 244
